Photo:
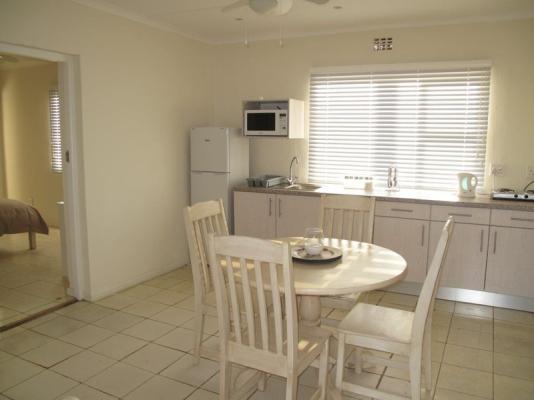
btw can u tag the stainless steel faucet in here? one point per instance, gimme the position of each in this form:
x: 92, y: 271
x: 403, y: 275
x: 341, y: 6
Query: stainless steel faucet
x: 292, y: 179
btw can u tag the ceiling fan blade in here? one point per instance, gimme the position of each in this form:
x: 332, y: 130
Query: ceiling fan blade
x: 319, y: 1
x: 235, y: 5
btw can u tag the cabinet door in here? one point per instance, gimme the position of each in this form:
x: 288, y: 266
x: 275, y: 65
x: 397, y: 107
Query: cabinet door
x: 254, y: 215
x: 409, y: 238
x: 296, y: 213
x: 465, y: 263
x: 511, y: 261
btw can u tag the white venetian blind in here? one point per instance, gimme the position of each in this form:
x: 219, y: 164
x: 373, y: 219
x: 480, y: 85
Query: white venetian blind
x: 428, y: 121
x: 55, y: 131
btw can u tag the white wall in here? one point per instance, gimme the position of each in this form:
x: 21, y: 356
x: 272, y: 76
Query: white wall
x: 265, y: 69
x: 141, y: 91
x: 26, y: 138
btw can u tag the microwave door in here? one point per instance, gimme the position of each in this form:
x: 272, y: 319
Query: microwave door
x: 262, y: 123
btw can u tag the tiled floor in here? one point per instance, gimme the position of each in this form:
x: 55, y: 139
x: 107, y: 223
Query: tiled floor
x: 30, y: 280
x: 137, y: 345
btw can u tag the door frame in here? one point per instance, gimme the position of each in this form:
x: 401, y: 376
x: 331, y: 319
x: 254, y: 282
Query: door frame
x: 69, y: 85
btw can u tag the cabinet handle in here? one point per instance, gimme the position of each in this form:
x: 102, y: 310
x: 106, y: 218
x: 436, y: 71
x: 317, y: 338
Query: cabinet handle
x: 481, y: 240
x: 279, y: 208
x: 423, y: 236
x: 495, y: 242
x: 270, y: 206
x: 401, y: 210
x: 460, y: 215
x: 522, y: 219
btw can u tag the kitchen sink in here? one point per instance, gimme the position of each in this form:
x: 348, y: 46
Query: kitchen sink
x: 302, y: 186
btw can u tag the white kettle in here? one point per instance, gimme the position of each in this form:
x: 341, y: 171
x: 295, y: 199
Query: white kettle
x: 467, y: 184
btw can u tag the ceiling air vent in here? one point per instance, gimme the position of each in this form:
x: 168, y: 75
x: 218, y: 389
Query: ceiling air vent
x: 381, y: 44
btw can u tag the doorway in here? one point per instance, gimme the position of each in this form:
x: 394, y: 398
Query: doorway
x: 43, y: 271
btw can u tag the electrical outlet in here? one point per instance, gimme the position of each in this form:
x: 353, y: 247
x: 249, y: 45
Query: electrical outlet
x: 497, y: 169
x: 530, y: 172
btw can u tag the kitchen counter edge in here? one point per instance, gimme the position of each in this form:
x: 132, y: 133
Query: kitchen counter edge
x: 408, y: 196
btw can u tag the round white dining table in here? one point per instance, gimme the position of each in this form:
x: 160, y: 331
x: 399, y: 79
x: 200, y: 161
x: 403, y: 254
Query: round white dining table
x: 363, y: 267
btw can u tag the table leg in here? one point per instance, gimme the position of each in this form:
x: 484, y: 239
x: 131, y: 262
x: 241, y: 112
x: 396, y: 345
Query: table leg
x: 310, y: 310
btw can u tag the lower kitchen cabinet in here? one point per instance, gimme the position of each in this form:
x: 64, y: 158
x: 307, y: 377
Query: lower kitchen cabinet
x: 267, y: 216
x: 465, y: 263
x: 510, y: 267
x: 409, y: 238
x: 254, y: 214
x: 296, y: 213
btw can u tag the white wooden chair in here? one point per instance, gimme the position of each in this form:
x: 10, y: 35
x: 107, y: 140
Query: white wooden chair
x: 350, y: 218
x: 250, y: 335
x: 201, y: 219
x: 395, y: 331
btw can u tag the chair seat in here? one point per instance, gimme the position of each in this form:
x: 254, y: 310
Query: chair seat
x: 378, y: 323
x: 310, y: 344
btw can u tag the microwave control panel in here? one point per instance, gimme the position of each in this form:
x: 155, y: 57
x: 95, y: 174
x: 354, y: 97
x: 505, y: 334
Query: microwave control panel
x: 283, y: 122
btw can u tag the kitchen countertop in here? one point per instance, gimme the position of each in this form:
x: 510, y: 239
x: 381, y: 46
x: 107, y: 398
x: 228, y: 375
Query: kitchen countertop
x: 403, y: 195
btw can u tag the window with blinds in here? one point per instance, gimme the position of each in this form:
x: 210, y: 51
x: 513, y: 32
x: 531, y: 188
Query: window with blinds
x: 56, y: 161
x: 429, y: 121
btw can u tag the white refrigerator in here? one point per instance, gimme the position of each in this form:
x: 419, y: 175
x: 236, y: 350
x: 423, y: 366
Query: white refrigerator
x: 219, y: 162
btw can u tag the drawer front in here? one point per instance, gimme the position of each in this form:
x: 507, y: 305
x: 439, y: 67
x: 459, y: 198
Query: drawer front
x: 515, y: 219
x: 466, y: 215
x: 402, y: 210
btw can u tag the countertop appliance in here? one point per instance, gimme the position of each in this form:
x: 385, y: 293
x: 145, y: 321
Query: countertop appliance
x: 509, y: 194
x: 219, y: 161
x: 467, y: 184
x: 266, y: 122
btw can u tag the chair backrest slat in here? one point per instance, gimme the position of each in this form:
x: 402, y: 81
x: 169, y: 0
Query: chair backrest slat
x: 247, y: 297
x: 425, y: 303
x: 234, y: 306
x: 262, y: 269
x: 199, y: 223
x: 340, y: 214
x: 277, y: 307
x: 262, y: 305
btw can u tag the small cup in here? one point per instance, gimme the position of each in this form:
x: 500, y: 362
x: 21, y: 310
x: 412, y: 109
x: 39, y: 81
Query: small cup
x: 313, y: 247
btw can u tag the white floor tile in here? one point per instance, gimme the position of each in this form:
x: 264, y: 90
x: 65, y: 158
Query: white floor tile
x: 153, y: 358
x: 91, y: 313
x: 59, y: 326
x: 174, y: 316
x: 119, y: 380
x: 87, y: 336
x: 118, y: 321
x: 179, y: 339
x: 161, y: 388
x: 148, y: 330
x: 145, y: 308
x: 51, y: 353
x: 22, y: 342
x: 84, y: 365
x: 84, y: 392
x: 118, y: 346
x: 185, y: 370
x: 46, y: 386
x: 15, y: 370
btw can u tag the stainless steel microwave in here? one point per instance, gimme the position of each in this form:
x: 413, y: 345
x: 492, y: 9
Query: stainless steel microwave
x: 266, y: 122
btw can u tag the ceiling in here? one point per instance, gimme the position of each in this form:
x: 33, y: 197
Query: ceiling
x: 204, y: 20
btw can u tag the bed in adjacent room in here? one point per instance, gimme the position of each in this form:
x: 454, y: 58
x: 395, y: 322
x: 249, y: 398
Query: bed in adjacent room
x: 18, y: 217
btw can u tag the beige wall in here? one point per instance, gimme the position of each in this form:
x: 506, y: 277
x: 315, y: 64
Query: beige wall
x: 265, y: 69
x: 26, y: 139
x: 141, y: 91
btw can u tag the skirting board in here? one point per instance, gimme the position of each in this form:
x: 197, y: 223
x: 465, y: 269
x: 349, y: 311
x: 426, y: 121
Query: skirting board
x: 470, y: 296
